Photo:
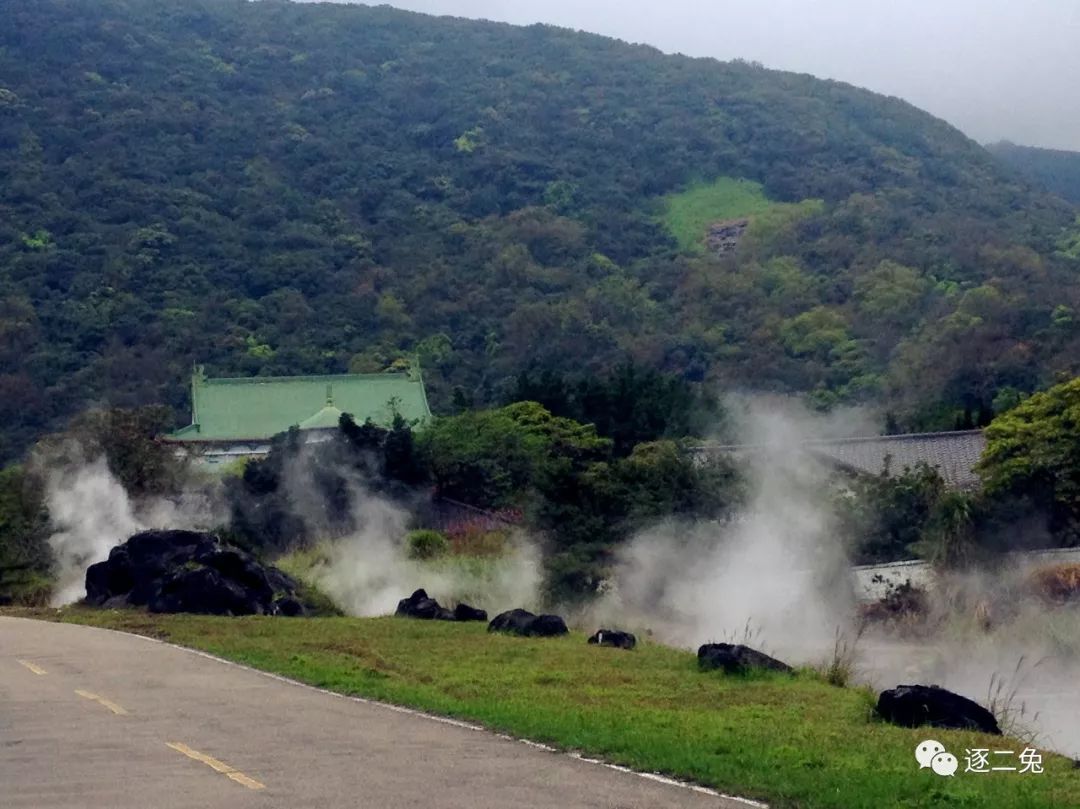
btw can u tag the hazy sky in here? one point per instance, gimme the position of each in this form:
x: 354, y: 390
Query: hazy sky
x: 994, y: 68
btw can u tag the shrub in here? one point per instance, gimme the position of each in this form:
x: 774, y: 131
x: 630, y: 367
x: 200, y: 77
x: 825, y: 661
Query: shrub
x: 25, y: 556
x: 318, y: 603
x: 1058, y: 583
x: 425, y: 544
x: 25, y: 588
x: 901, y: 602
x: 476, y: 540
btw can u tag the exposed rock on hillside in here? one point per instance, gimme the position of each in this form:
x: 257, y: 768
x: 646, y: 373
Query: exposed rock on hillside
x: 526, y: 624
x: 188, y: 571
x: 615, y: 638
x: 463, y: 612
x: 421, y: 605
x: 912, y: 706
x: 737, y: 659
x: 724, y: 237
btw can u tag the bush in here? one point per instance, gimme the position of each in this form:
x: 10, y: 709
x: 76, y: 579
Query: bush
x: 426, y: 544
x: 474, y: 539
x: 901, y: 602
x: 1058, y: 583
x: 318, y: 603
x: 25, y: 588
x: 25, y: 556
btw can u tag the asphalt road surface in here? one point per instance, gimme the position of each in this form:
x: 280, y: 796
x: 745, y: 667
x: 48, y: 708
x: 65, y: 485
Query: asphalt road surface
x: 91, y: 718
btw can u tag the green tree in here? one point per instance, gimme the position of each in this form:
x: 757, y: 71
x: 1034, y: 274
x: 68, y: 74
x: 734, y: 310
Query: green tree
x: 130, y: 440
x: 912, y: 514
x: 884, y: 517
x: 25, y: 558
x: 1033, y: 452
x: 817, y: 332
x: 492, y: 458
x: 891, y: 294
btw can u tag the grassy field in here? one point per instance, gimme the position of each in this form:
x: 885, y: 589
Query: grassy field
x: 688, y: 214
x: 791, y: 741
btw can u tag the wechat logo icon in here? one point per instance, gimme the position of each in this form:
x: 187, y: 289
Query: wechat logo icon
x: 934, y: 755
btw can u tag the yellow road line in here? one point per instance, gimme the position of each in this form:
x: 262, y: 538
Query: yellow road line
x: 32, y: 666
x: 219, y: 766
x: 112, y: 706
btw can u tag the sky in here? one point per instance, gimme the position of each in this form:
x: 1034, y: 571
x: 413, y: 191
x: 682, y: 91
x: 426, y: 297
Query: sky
x: 997, y: 69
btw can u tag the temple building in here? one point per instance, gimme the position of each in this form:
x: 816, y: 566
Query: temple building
x: 234, y: 418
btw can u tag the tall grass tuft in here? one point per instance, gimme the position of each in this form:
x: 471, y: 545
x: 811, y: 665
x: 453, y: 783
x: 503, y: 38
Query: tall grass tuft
x: 1010, y: 712
x: 841, y: 668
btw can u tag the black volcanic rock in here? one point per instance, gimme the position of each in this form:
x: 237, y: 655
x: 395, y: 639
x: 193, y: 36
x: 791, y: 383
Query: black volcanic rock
x: 737, y: 659
x: 190, y: 571
x: 463, y: 612
x: 547, y: 626
x: 614, y: 638
x: 513, y: 621
x: 913, y: 706
x: 420, y: 605
x: 526, y: 624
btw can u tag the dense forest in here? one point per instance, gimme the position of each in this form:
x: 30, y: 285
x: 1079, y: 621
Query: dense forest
x: 277, y: 188
x: 1055, y: 169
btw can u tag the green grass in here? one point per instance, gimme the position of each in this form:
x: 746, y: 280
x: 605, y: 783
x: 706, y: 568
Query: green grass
x: 791, y: 741
x: 26, y: 588
x: 688, y: 214
x: 304, y: 564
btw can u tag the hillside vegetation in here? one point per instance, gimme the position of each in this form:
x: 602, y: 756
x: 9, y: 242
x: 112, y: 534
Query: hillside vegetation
x: 276, y: 188
x: 1056, y: 170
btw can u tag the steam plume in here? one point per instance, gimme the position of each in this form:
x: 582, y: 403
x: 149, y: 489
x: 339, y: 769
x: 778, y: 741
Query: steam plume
x: 90, y: 513
x: 775, y: 571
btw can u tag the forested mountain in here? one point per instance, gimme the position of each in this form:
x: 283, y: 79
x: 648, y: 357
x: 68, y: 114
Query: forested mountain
x: 1055, y: 169
x: 274, y: 188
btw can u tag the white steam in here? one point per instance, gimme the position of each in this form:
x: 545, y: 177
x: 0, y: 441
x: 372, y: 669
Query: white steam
x: 1011, y: 652
x: 90, y: 513
x: 775, y: 573
x: 777, y: 577
x: 368, y: 572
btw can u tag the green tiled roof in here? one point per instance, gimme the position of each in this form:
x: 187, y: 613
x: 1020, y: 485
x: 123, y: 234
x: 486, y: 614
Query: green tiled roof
x: 329, y: 416
x: 257, y: 408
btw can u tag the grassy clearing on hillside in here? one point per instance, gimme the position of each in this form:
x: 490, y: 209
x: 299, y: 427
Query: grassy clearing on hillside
x: 688, y: 214
x: 792, y: 741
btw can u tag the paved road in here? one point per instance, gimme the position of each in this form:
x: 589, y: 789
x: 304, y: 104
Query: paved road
x: 90, y: 718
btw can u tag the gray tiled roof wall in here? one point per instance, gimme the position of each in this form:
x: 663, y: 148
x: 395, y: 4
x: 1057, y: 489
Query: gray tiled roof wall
x: 954, y: 455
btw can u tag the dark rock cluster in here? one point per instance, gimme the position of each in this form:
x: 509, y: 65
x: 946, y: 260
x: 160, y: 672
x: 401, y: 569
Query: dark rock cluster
x: 189, y: 571
x: 420, y: 605
x: 526, y: 624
